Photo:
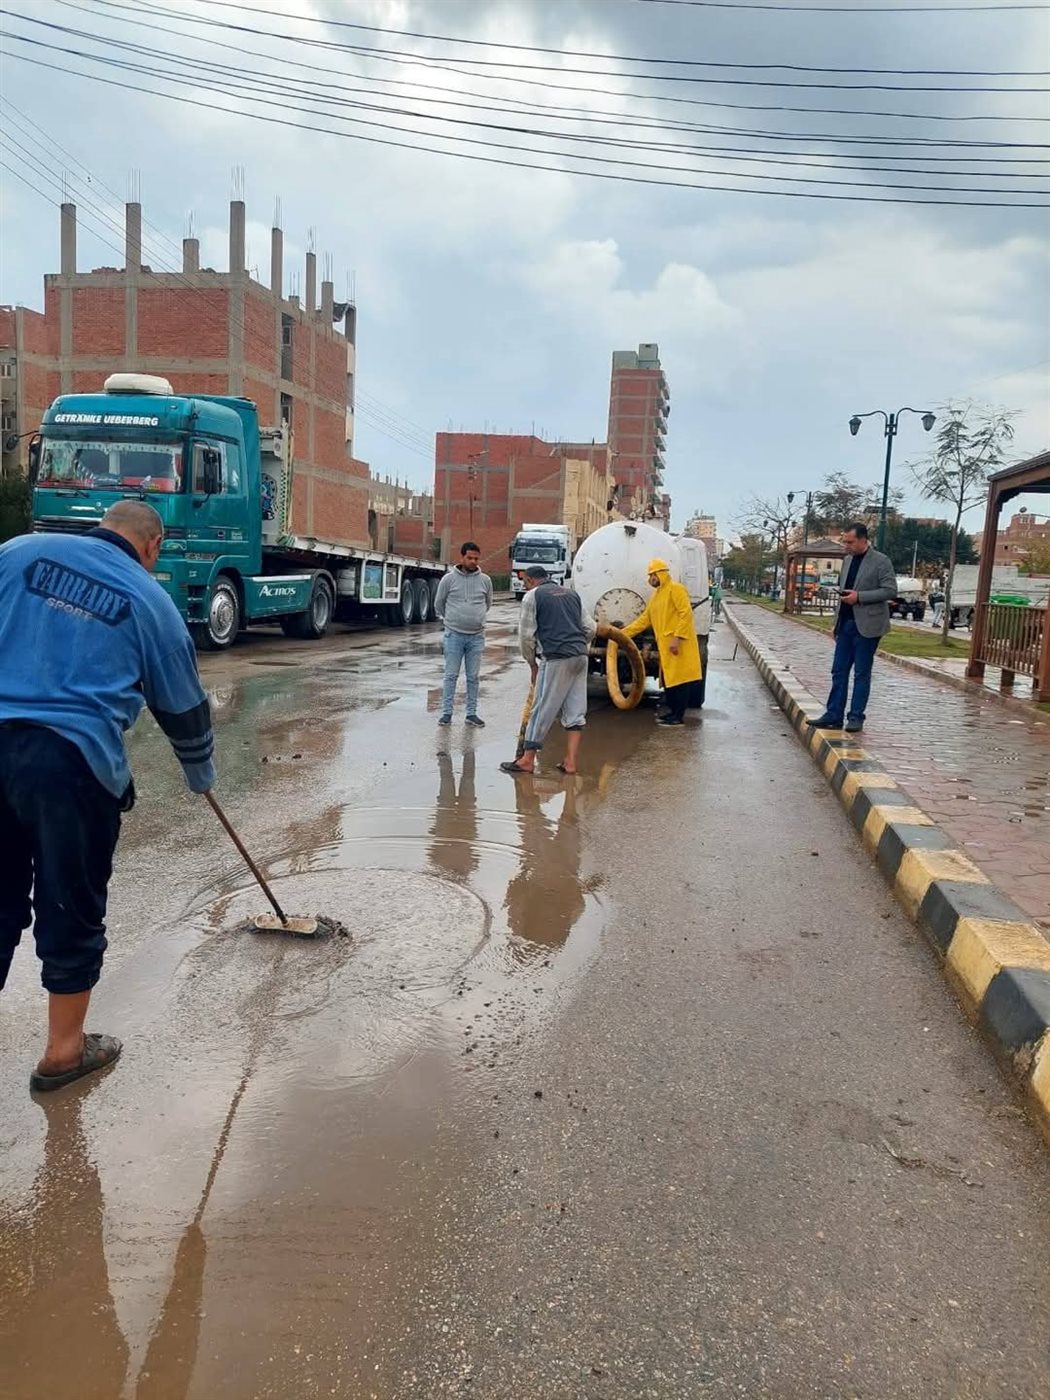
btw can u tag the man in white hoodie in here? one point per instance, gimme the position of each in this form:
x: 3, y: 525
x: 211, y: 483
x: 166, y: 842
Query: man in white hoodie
x: 463, y: 600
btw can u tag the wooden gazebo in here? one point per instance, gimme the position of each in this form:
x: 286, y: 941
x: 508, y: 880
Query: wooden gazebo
x: 1013, y: 638
x: 797, y: 557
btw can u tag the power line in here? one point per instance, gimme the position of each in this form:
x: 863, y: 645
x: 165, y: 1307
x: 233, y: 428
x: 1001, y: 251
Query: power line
x: 473, y: 63
x: 524, y: 165
x: 280, y: 85
x: 845, y: 9
x: 591, y: 53
x: 249, y: 87
x: 559, y: 87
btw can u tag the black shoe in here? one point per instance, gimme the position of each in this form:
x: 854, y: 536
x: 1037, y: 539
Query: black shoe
x: 444, y: 720
x: 475, y: 721
x: 824, y: 722
x: 669, y: 722
x: 854, y: 726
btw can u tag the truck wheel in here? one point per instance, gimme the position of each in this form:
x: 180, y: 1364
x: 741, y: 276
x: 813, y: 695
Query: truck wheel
x: 423, y: 600
x: 223, y: 622
x: 312, y: 624
x: 406, y: 608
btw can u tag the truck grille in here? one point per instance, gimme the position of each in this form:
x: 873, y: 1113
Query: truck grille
x: 64, y: 525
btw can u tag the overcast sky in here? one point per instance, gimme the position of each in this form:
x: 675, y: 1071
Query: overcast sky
x: 493, y: 297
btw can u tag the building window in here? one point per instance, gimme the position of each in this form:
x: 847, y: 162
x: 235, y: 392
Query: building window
x: 287, y: 333
x: 7, y: 369
x: 350, y: 392
x: 286, y: 410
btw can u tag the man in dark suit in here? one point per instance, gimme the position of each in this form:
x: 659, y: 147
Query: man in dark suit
x: 866, y: 585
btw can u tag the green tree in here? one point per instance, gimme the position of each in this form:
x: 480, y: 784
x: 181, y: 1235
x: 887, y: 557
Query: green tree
x: 745, y: 564
x: 1037, y: 558
x: 840, y: 502
x: 971, y: 444
x: 934, y: 542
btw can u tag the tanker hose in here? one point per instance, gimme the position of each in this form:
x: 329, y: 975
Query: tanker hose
x: 616, y: 640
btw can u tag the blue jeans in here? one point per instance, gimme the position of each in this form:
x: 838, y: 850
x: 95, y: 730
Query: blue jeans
x: 60, y: 829
x: 852, y: 651
x: 462, y: 649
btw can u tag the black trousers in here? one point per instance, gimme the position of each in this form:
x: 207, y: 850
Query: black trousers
x: 676, y: 699
x: 58, y: 831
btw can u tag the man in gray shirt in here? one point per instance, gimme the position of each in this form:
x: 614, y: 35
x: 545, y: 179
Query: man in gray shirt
x: 463, y: 600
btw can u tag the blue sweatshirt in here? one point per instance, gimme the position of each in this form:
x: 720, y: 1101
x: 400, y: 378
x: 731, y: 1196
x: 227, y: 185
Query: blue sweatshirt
x: 86, y: 639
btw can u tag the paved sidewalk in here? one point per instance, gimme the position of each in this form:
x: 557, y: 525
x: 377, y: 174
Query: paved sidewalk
x: 979, y: 768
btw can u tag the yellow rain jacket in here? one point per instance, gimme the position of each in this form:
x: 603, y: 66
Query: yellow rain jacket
x: 669, y: 615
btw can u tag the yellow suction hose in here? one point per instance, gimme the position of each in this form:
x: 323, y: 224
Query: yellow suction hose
x: 618, y: 639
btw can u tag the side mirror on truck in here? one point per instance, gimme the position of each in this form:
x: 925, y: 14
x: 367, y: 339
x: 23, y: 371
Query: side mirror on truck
x: 34, y: 459
x: 210, y: 482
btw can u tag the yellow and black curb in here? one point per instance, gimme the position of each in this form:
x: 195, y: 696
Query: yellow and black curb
x: 996, y: 960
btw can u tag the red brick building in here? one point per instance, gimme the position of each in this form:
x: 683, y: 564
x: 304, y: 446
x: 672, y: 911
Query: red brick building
x: 639, y: 404
x: 487, y: 485
x: 1014, y: 543
x: 207, y: 332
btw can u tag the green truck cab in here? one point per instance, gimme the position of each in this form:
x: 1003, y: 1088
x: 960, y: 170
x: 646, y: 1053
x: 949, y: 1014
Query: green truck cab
x: 222, y: 487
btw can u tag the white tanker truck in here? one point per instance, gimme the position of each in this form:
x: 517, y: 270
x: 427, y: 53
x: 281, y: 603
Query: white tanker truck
x: 610, y: 573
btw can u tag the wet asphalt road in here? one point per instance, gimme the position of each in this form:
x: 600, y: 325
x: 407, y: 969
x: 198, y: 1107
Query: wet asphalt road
x: 635, y: 1086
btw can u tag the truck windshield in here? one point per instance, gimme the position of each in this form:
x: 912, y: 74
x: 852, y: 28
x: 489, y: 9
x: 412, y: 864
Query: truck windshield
x: 110, y: 466
x: 537, y: 552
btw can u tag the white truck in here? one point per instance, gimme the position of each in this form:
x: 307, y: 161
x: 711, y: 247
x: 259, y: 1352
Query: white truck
x: 610, y: 573
x: 549, y: 545
x: 1006, y: 579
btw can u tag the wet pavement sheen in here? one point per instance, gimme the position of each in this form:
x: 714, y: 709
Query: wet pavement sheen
x: 607, y: 1094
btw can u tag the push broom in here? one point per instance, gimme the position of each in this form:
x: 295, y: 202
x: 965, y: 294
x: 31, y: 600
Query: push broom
x: 278, y: 922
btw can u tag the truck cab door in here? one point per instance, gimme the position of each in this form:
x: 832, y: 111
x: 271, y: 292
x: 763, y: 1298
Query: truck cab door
x: 219, y: 525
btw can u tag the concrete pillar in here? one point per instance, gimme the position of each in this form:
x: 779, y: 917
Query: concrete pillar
x: 132, y: 273
x: 191, y: 255
x: 69, y: 240
x: 236, y: 236
x: 276, y: 262
x: 327, y: 302
x: 133, y: 240
x: 311, y: 283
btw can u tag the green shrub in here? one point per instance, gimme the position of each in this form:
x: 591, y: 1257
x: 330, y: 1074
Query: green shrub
x: 16, y: 503
x: 500, y: 583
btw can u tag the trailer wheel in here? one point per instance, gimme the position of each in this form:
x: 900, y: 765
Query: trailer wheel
x: 223, y: 622
x: 423, y: 600
x: 312, y: 624
x: 402, y: 612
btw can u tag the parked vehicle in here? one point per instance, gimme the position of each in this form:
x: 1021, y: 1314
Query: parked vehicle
x: 1008, y: 583
x: 610, y: 574
x: 223, y: 488
x: 910, y: 600
x: 549, y: 545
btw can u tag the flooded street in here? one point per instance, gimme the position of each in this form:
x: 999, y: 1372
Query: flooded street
x: 606, y: 1094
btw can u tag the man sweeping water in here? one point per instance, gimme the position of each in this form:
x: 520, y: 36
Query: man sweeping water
x: 86, y: 639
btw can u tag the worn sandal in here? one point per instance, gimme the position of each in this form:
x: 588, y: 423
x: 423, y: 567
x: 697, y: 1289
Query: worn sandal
x: 99, y: 1051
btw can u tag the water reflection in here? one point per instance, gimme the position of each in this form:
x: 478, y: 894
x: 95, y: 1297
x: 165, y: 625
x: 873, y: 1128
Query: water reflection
x: 59, y: 1335
x: 545, y: 897
x: 455, y: 827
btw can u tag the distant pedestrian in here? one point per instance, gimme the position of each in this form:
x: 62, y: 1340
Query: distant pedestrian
x: 463, y: 600
x: 866, y: 585
x: 716, y: 600
x: 555, y: 633
x: 669, y: 616
x: 87, y: 638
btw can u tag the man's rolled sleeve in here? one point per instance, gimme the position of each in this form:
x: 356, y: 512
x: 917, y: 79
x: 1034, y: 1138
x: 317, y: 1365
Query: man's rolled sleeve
x: 527, y: 627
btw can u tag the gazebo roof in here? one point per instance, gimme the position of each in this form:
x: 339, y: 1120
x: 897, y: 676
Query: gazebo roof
x: 1030, y: 475
x: 823, y: 548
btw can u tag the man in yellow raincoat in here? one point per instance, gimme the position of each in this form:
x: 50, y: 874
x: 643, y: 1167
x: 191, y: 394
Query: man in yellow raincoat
x: 669, y: 617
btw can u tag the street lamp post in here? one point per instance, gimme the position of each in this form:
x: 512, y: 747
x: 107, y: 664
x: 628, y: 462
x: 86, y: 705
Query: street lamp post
x: 805, y: 540
x: 892, y: 420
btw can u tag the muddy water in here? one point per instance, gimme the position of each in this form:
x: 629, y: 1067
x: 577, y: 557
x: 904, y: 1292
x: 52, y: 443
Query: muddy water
x: 245, y: 1201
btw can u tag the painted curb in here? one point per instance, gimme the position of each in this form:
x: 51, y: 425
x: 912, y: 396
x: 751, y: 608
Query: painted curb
x: 996, y: 960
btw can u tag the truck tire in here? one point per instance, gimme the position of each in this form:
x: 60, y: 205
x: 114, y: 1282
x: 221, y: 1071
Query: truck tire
x: 424, y: 602
x: 312, y: 624
x: 401, y: 613
x: 223, y: 622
